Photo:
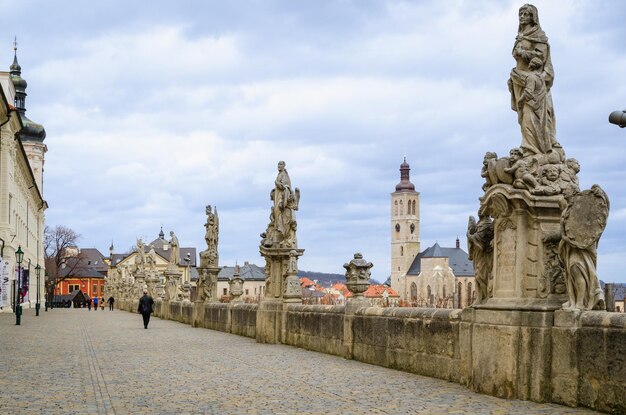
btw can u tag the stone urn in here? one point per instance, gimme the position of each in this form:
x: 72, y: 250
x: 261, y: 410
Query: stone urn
x: 358, y: 276
x: 236, y: 286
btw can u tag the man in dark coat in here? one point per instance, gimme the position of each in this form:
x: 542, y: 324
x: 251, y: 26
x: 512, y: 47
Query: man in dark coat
x: 145, y: 308
x: 111, y: 301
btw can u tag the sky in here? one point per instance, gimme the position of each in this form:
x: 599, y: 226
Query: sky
x: 154, y: 110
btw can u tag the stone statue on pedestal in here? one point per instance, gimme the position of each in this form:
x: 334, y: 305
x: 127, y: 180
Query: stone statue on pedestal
x: 174, y: 249
x: 281, y: 231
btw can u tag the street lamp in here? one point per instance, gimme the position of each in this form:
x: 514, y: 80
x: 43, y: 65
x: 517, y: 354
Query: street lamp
x: 48, y: 302
x: 19, y: 257
x: 37, y: 304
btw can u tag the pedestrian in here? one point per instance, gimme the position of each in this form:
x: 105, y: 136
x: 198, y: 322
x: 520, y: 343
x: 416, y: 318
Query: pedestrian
x: 102, y: 304
x: 89, y: 304
x: 111, y: 301
x: 95, y: 304
x: 145, y: 308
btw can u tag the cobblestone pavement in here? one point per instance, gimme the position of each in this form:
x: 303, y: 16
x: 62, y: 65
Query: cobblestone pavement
x: 75, y: 361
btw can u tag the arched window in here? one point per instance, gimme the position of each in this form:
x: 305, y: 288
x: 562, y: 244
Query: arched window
x: 459, y: 293
x: 429, y: 294
x: 401, y: 208
x: 395, y: 208
x: 469, y: 293
x: 444, y: 291
x: 414, y: 207
x: 401, y: 251
x: 413, y: 292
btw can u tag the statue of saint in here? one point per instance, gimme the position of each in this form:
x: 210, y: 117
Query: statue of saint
x: 212, y: 232
x: 582, y: 222
x: 530, y: 84
x: 174, y: 249
x: 480, y: 249
x: 283, y: 216
x: 140, y: 259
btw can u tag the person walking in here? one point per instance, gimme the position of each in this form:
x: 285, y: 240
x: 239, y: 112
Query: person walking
x: 111, y: 300
x: 95, y: 304
x: 102, y: 303
x: 89, y: 304
x: 145, y: 308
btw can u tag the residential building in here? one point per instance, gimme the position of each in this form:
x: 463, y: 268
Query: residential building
x: 253, y: 282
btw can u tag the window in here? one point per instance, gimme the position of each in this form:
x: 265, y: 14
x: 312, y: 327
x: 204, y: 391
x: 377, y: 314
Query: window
x: 459, y: 295
x: 247, y: 291
x: 73, y: 287
x: 401, y: 251
x: 95, y: 289
x: 225, y: 291
x: 469, y: 293
x: 395, y: 209
x: 413, y: 292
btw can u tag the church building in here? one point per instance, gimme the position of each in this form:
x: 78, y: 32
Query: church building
x: 436, y: 277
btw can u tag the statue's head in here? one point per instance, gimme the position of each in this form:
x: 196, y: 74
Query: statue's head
x: 573, y: 164
x: 515, y: 154
x: 281, y: 165
x: 535, y: 63
x: 528, y: 14
x: 171, y: 233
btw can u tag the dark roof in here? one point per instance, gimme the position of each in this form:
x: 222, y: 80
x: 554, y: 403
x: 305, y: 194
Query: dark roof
x: 94, y: 259
x: 76, y: 295
x: 248, y: 272
x: 458, y: 260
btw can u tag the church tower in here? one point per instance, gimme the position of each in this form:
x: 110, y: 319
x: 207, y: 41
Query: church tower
x: 33, y: 134
x: 405, y: 229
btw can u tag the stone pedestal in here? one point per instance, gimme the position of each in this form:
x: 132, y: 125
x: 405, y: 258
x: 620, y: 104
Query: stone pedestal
x: 508, y: 353
x: 526, y: 271
x: 172, y: 283
x: 508, y: 337
x: 281, y: 288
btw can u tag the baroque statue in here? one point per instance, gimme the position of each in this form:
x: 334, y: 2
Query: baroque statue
x: 582, y: 222
x: 530, y: 84
x: 281, y: 231
x: 140, y: 259
x: 211, y: 236
x: 174, y: 249
x: 534, y: 245
x: 480, y: 249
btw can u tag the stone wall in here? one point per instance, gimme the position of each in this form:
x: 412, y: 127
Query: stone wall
x: 570, y: 358
x: 589, y: 360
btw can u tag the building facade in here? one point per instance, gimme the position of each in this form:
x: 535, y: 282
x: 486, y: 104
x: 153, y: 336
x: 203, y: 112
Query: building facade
x: 22, y: 205
x: 253, y: 282
x: 405, y: 227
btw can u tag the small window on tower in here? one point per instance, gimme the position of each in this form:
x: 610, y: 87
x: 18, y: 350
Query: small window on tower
x: 397, y: 227
x: 412, y: 227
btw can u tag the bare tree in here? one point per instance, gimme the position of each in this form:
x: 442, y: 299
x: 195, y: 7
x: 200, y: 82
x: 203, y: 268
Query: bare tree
x: 62, y: 258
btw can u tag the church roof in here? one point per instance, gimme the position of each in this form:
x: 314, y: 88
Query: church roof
x: 458, y: 260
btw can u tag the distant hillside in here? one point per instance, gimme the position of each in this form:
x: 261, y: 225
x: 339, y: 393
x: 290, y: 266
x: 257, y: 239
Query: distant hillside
x: 325, y: 279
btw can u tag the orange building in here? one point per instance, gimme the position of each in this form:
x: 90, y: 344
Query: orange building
x: 89, y: 277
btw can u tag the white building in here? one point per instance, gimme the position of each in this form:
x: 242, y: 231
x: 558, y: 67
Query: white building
x: 22, y: 205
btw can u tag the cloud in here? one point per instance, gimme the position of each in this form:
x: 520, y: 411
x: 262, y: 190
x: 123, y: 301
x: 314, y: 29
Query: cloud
x: 152, y: 114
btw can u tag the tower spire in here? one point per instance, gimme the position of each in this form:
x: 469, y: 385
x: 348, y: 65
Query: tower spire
x: 405, y: 181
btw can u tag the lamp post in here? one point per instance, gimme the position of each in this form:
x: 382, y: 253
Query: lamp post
x: 37, y: 304
x: 19, y: 257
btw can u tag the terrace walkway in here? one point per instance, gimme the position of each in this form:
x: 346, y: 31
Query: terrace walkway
x: 75, y: 361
